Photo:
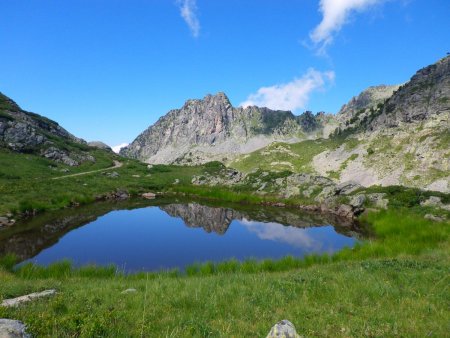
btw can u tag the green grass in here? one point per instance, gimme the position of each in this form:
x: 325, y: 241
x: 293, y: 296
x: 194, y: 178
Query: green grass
x: 405, y: 297
x: 393, y: 283
x: 26, y: 180
x: 300, y: 155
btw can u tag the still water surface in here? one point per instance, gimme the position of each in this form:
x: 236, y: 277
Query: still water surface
x: 174, y: 235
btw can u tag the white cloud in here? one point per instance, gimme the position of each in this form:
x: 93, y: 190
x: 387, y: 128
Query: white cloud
x: 117, y: 148
x: 292, y: 95
x: 300, y: 238
x: 335, y: 14
x: 188, y: 11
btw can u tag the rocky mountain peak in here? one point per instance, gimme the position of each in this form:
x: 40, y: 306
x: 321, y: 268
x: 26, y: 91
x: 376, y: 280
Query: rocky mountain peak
x: 218, y: 99
x: 213, y: 125
x: 215, y: 102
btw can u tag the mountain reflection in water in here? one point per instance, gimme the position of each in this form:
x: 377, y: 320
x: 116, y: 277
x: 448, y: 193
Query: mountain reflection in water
x: 162, y: 234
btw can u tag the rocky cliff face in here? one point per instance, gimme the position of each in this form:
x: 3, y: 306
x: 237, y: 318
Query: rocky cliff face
x: 427, y: 94
x: 212, y: 128
x: 27, y: 132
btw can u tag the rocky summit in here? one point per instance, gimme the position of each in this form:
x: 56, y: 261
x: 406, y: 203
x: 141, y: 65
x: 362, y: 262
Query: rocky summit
x: 212, y: 128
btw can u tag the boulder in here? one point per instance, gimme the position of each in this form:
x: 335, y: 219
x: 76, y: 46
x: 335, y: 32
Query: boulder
x: 436, y: 202
x: 4, y: 221
x: 357, y: 201
x: 346, y: 188
x: 378, y: 200
x: 434, y: 218
x: 10, y: 328
x: 283, y: 329
x: 345, y: 211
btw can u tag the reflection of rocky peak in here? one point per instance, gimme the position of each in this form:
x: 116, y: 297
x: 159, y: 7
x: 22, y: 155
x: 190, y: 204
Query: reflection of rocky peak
x: 217, y: 219
x: 29, y: 237
x: 195, y: 215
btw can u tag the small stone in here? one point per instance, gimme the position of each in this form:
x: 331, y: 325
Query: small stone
x: 137, y: 176
x: 113, y: 174
x: 283, y: 329
x: 149, y: 195
x: 10, y: 328
x: 129, y: 290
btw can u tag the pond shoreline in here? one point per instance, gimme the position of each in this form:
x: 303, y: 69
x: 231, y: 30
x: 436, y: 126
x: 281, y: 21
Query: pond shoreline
x: 343, y: 211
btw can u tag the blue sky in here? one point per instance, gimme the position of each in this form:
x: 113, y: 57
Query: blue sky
x: 107, y: 69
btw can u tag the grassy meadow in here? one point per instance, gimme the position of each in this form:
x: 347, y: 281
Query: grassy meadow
x: 394, y: 283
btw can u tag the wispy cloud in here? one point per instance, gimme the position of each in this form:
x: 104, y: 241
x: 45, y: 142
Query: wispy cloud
x: 336, y: 13
x: 292, y: 95
x: 188, y: 11
x: 117, y: 148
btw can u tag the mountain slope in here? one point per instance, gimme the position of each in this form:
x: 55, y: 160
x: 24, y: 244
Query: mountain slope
x: 402, y: 139
x: 25, y: 132
x: 212, y: 128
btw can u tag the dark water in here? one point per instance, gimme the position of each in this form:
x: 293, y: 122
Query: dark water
x: 173, y: 234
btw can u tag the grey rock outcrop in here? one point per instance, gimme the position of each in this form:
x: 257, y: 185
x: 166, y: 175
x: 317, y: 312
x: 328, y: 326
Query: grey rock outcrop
x: 213, y: 126
x: 58, y: 155
x: 10, y: 328
x: 364, y: 104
